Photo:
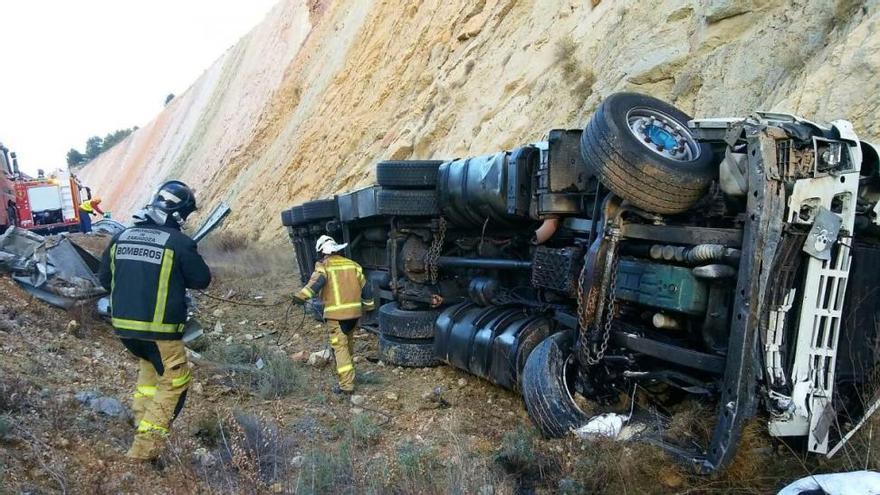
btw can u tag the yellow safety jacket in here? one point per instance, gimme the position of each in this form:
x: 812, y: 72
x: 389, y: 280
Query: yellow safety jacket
x: 341, y: 285
x: 86, y: 206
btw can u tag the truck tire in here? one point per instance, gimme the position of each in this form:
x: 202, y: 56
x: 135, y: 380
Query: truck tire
x: 412, y: 353
x: 545, y: 389
x: 287, y: 218
x: 624, y: 149
x: 413, y: 203
x: 296, y: 215
x: 320, y: 209
x: 409, y: 174
x: 396, y: 322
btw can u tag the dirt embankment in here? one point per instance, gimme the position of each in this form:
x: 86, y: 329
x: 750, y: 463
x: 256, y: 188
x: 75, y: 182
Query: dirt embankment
x: 306, y: 103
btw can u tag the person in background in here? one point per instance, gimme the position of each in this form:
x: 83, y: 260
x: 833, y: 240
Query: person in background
x: 86, y: 209
x: 340, y: 285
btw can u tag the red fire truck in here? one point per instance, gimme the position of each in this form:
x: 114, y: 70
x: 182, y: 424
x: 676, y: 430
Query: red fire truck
x: 42, y: 204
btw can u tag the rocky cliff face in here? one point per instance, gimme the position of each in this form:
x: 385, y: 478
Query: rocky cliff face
x: 306, y: 103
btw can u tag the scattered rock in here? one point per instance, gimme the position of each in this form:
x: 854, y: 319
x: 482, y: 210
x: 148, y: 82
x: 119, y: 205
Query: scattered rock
x: 671, y: 478
x: 356, y: 359
x: 87, y: 396
x: 390, y: 395
x: 487, y: 490
x: 434, y: 399
x: 319, y: 358
x: 204, y: 458
x: 358, y: 400
x: 72, y: 327
x: 356, y: 410
x: 104, y: 405
x: 277, y: 488
x: 218, y: 313
x: 462, y: 382
x: 296, y: 461
x: 248, y: 336
x: 218, y: 327
x: 197, y: 388
x: 62, y: 443
x: 300, y: 357
x: 109, y: 406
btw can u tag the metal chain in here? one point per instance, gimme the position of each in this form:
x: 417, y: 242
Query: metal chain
x: 609, y: 311
x: 581, y: 298
x: 594, y: 355
x: 434, y: 251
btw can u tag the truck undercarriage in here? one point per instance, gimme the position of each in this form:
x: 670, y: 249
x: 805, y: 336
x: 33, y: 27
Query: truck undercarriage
x: 726, y: 259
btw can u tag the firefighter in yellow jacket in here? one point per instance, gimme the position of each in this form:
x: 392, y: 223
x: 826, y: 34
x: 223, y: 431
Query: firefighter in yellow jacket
x: 340, y: 284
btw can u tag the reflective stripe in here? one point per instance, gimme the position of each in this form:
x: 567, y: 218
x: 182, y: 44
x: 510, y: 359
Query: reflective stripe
x: 368, y: 304
x: 342, y: 306
x: 334, y: 340
x: 343, y: 369
x: 162, y: 291
x: 145, y: 391
x: 146, y: 326
x: 112, y: 274
x: 157, y: 324
x: 342, y: 268
x: 308, y: 292
x: 145, y: 426
x: 337, y: 297
x: 181, y: 380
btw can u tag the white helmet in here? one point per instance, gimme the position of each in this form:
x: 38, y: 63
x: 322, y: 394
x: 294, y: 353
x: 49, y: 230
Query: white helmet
x: 327, y: 245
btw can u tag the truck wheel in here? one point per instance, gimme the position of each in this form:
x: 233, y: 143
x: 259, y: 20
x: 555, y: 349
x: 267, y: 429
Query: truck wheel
x: 396, y: 322
x: 409, y: 174
x: 546, y: 389
x: 413, y: 353
x: 641, y: 149
x: 320, y: 209
x: 408, y: 202
x: 287, y: 218
x: 296, y: 215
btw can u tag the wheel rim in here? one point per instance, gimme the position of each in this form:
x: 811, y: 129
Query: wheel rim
x: 662, y: 134
x: 567, y: 368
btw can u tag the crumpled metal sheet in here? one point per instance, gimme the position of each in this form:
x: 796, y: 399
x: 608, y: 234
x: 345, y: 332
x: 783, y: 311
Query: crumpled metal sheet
x: 213, y: 221
x: 108, y: 226
x: 53, y: 269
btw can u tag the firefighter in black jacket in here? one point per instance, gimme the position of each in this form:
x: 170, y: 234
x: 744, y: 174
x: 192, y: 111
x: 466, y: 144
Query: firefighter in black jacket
x: 147, y: 269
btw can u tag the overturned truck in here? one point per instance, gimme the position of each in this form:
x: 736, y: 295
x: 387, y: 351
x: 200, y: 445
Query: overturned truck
x: 730, y: 259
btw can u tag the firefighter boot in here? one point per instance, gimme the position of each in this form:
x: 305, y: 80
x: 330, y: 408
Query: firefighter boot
x: 171, y: 387
x: 342, y: 347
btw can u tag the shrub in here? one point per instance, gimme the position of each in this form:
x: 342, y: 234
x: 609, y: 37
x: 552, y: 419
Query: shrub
x: 364, y: 429
x: 326, y: 471
x: 517, y: 451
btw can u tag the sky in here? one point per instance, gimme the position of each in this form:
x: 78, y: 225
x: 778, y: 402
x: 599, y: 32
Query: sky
x: 74, y: 69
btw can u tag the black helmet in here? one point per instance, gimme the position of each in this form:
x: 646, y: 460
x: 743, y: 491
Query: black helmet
x: 175, y: 199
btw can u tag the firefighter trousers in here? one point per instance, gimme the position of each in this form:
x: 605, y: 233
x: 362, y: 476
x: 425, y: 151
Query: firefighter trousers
x: 163, y: 379
x: 342, y: 342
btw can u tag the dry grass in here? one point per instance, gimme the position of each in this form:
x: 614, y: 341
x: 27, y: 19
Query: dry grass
x: 277, y: 376
x: 566, y: 56
x: 15, y: 392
